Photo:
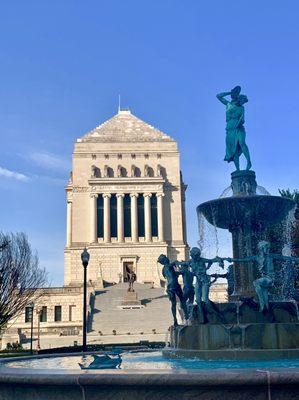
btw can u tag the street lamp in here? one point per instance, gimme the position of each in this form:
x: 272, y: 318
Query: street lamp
x: 85, y: 259
x: 38, y: 313
x: 31, y: 305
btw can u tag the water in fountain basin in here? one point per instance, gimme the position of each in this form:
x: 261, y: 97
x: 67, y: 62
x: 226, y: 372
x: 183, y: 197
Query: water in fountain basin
x: 148, y: 360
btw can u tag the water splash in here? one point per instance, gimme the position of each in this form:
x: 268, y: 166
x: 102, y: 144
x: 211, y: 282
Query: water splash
x: 228, y: 192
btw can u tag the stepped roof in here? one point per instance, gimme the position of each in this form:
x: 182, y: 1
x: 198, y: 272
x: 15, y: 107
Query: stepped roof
x: 125, y: 127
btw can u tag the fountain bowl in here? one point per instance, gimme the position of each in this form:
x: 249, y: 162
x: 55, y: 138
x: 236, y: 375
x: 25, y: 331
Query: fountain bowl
x: 255, y: 210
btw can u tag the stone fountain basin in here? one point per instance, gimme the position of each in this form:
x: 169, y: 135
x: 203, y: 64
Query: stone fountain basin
x: 206, y: 384
x: 253, y: 210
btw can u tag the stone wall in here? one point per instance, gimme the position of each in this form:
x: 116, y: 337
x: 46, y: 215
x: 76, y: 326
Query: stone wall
x: 70, y: 324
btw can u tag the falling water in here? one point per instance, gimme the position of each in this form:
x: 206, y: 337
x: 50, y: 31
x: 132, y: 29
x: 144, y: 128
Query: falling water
x: 260, y: 190
x: 201, y: 230
x: 287, y: 271
x: 228, y: 192
x: 215, y: 230
x: 213, y: 241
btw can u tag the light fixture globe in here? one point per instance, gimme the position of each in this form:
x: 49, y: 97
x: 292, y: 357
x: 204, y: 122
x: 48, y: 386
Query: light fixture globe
x: 85, y: 257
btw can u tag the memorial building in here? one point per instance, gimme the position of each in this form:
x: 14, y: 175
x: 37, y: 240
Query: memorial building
x: 125, y: 202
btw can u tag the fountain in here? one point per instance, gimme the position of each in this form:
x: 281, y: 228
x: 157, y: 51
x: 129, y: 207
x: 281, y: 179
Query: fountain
x: 209, y: 353
x: 242, y: 328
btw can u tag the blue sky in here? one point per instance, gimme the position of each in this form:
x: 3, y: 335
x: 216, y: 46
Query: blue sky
x: 63, y: 64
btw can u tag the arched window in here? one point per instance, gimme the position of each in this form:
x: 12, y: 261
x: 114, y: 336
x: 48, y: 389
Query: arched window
x: 161, y: 171
x: 135, y: 171
x: 108, y: 172
x: 95, y: 172
x: 121, y: 171
x: 148, y: 171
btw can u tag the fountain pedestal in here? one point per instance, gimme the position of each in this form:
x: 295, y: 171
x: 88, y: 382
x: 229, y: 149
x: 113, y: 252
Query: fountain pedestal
x: 247, y: 216
x: 237, y: 330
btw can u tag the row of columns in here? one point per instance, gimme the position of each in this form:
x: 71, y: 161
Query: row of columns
x: 120, y: 217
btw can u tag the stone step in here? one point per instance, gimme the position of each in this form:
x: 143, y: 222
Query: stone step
x: 106, y: 316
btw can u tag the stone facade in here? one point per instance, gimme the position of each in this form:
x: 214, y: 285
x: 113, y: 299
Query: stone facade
x: 71, y: 302
x: 65, y: 302
x: 129, y: 159
x: 218, y: 293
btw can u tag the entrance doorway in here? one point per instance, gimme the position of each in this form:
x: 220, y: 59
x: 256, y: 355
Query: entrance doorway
x: 128, y: 267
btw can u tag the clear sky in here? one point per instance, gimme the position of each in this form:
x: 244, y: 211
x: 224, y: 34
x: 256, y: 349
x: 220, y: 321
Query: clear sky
x: 63, y: 64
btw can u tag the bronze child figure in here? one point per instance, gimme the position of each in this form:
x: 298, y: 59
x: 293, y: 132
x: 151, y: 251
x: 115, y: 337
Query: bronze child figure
x: 199, y: 267
x: 173, y: 287
x: 188, y: 287
x: 264, y: 260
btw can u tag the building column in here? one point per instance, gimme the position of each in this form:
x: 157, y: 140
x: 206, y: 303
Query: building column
x: 134, y: 218
x: 120, y: 217
x: 147, y: 217
x: 69, y: 211
x: 107, y: 234
x: 93, y: 218
x: 160, y: 217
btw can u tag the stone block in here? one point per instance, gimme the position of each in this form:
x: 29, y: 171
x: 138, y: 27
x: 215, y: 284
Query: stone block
x: 272, y: 336
x: 130, y: 301
x: 279, y: 312
x: 201, y: 337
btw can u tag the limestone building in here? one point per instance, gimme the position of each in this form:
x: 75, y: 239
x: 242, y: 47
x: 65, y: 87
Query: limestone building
x: 125, y: 202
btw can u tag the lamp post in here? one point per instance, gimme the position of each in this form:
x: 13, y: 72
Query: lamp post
x: 31, y: 305
x: 85, y: 259
x: 38, y: 313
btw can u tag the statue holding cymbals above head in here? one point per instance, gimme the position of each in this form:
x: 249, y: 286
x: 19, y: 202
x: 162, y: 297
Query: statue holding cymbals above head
x: 235, y: 131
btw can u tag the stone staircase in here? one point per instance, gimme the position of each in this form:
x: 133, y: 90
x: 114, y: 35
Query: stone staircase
x: 106, y: 317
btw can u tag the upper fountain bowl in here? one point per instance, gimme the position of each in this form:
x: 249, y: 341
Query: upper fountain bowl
x: 250, y: 210
x: 245, y: 207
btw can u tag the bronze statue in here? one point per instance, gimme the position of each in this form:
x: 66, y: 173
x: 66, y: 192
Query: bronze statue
x: 264, y: 260
x: 131, y: 279
x: 173, y: 287
x: 199, y: 267
x: 235, y: 131
x: 188, y: 288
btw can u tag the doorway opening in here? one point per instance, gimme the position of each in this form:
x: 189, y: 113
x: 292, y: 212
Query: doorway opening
x: 128, y: 267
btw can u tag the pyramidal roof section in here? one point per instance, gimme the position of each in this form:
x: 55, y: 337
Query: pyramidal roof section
x: 125, y: 127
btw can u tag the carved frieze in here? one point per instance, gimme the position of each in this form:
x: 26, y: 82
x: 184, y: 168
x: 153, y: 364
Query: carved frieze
x: 81, y: 189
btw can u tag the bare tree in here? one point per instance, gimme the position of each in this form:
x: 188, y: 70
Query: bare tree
x: 20, y: 275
